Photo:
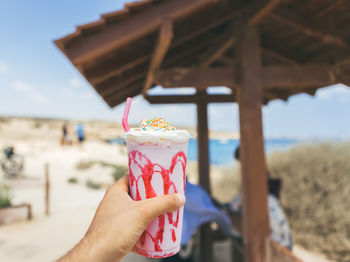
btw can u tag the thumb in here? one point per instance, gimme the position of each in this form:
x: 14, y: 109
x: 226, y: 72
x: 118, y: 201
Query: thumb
x: 153, y: 207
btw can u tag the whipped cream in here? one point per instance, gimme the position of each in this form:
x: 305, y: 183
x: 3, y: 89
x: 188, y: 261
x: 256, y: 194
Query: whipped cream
x: 157, y: 136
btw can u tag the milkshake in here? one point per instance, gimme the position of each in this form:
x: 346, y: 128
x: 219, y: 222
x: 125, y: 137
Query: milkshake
x: 157, y: 166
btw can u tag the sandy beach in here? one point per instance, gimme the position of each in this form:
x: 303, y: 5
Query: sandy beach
x: 72, y: 205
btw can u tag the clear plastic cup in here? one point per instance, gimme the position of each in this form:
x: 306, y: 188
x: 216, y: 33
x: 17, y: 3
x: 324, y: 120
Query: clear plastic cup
x: 158, y: 168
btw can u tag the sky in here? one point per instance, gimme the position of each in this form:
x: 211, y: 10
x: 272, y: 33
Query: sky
x: 37, y: 80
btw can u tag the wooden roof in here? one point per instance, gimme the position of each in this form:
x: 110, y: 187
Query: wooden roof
x: 114, y: 53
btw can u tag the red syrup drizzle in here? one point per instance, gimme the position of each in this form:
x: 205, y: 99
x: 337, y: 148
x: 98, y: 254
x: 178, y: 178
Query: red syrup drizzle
x: 147, y: 171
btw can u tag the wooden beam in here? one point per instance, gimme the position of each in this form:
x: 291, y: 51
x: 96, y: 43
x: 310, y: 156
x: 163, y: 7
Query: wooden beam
x: 218, y: 52
x: 273, y: 76
x: 188, y: 99
x: 326, y: 38
x: 171, y: 99
x: 227, y: 61
x: 205, y: 244
x: 279, y: 57
x: 221, y: 98
x: 331, y: 7
x: 263, y: 11
x: 165, y: 36
x: 249, y: 74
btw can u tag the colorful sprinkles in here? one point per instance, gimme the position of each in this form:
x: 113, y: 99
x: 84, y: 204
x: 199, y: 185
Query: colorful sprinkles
x: 156, y: 124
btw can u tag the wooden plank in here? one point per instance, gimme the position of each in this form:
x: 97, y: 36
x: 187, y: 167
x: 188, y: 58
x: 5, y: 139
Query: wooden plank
x: 186, y: 99
x: 227, y: 61
x: 254, y: 20
x: 91, y: 47
x: 219, y: 51
x: 299, y: 76
x: 138, y: 71
x: 111, y: 67
x: 111, y: 88
x: 205, y: 245
x: 345, y: 78
x: 255, y: 211
x: 280, y: 57
x: 282, y: 77
x: 165, y: 36
x: 326, y: 38
x: 15, y: 213
x: 188, y: 77
x: 120, y: 95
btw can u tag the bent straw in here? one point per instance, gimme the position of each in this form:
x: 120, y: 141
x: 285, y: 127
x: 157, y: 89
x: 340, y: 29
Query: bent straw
x: 126, y: 114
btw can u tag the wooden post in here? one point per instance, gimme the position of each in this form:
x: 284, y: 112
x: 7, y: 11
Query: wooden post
x: 249, y: 75
x: 205, y: 245
x: 47, y: 190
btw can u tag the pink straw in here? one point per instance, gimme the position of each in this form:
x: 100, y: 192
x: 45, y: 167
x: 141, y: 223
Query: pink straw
x: 126, y: 114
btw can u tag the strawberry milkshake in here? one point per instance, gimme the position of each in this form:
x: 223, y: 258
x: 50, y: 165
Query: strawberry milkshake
x: 157, y: 166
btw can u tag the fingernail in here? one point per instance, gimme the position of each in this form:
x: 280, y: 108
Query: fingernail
x: 181, y: 197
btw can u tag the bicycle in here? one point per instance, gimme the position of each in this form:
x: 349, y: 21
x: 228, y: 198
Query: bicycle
x: 12, y: 164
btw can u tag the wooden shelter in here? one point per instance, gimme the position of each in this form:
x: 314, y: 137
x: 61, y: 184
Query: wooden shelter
x: 261, y: 49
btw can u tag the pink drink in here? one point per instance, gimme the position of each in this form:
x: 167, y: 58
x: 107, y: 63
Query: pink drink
x: 157, y: 166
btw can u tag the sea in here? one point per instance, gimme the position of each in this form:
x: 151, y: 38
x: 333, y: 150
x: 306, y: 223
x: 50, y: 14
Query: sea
x: 221, y: 151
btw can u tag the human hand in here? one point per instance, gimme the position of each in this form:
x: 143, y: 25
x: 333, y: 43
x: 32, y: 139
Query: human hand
x: 119, y: 222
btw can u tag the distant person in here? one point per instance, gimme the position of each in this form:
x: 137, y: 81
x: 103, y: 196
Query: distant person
x: 279, y: 227
x: 64, y: 134
x: 80, y: 133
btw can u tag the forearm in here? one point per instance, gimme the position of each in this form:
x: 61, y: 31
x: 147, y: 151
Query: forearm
x: 83, y: 251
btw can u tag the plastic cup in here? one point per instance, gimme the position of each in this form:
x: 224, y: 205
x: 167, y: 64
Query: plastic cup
x: 155, y: 169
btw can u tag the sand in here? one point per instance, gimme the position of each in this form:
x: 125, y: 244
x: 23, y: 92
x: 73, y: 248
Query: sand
x: 72, y: 205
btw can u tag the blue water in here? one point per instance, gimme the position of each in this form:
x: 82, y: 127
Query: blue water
x: 221, y: 151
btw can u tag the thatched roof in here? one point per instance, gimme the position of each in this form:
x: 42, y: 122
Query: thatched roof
x: 114, y: 53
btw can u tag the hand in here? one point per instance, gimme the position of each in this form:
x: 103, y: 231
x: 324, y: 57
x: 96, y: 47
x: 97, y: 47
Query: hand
x: 119, y: 222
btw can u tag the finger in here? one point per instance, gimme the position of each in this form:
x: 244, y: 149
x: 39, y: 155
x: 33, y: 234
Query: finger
x: 153, y: 207
x: 123, y: 183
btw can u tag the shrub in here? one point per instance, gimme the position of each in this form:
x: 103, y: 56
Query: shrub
x: 84, y: 164
x: 93, y: 184
x: 315, y: 196
x: 72, y: 180
x: 118, y: 172
x: 5, y: 195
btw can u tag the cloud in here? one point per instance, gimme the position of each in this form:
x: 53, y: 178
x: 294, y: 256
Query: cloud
x: 71, y: 93
x: 339, y: 93
x: 76, y: 82
x: 86, y: 95
x: 158, y: 90
x: 38, y: 97
x: 31, y: 92
x: 4, y: 67
x: 22, y: 86
x: 219, y: 90
x: 67, y: 92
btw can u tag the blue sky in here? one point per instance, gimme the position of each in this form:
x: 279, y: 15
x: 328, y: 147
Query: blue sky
x: 37, y: 80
